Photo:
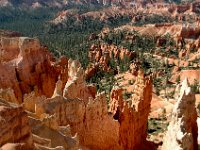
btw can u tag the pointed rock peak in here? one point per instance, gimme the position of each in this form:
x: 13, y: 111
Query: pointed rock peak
x: 58, y: 88
x: 75, y: 70
x: 182, y: 130
x: 185, y: 89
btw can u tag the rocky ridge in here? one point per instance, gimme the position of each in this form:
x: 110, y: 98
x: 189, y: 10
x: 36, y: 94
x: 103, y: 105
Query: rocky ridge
x: 136, y: 11
x: 100, y: 56
x: 76, y: 119
x: 23, y: 72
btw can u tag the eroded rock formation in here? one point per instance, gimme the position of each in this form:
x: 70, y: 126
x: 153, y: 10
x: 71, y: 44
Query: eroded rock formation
x: 182, y: 130
x: 133, y: 114
x: 18, y: 131
x: 88, y: 117
x: 25, y: 66
x: 64, y: 111
x: 14, y: 126
x: 101, y: 56
x: 106, y: 52
x: 85, y: 112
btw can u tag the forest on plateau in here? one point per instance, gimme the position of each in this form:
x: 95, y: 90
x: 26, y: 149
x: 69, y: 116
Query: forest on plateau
x: 70, y: 40
x: 90, y: 74
x: 74, y: 36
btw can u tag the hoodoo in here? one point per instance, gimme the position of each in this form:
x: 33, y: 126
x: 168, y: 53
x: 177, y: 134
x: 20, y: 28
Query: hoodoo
x: 182, y: 131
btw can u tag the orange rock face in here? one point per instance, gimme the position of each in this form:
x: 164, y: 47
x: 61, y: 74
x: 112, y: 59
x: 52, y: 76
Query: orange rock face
x: 85, y: 112
x: 76, y: 82
x: 62, y: 108
x: 17, y: 130
x: 25, y: 66
x: 101, y: 55
x: 110, y: 51
x: 14, y: 126
x: 192, y: 75
x: 133, y: 114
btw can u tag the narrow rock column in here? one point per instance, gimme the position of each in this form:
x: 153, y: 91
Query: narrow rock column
x: 183, y: 131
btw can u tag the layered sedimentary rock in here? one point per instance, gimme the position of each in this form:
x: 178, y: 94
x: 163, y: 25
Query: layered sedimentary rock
x: 52, y: 136
x: 22, y: 132
x: 8, y: 95
x: 84, y: 111
x: 14, y: 126
x: 64, y: 111
x: 25, y: 66
x: 107, y: 52
x: 87, y: 115
x: 177, y: 31
x: 101, y: 56
x: 182, y: 131
x: 137, y: 11
x: 192, y: 75
x: 76, y: 82
x: 133, y: 114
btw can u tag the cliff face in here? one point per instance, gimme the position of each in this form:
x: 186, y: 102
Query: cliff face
x: 62, y: 108
x: 87, y: 113
x: 14, y: 126
x: 100, y: 56
x: 20, y: 131
x: 133, y: 114
x: 182, y: 130
x: 177, y: 31
x: 192, y: 75
x: 76, y: 82
x: 104, y: 51
x: 25, y: 66
x: 84, y: 111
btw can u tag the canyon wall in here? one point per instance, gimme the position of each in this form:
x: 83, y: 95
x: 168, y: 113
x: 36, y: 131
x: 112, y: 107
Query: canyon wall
x: 85, y: 113
x: 25, y: 66
x: 63, y: 110
x: 133, y: 114
x: 14, y: 126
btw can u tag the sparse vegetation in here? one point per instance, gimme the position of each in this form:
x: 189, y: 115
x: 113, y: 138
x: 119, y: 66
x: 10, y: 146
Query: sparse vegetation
x: 195, y: 87
x: 152, y: 19
x: 70, y: 38
x: 126, y: 95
